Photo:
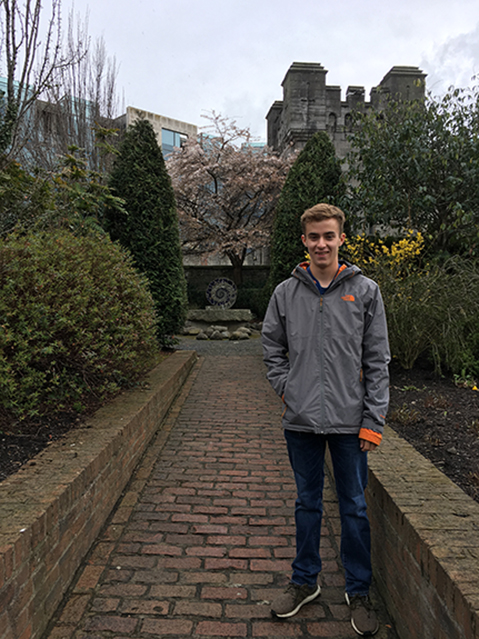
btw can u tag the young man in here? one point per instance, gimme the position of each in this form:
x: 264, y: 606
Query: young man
x: 326, y: 349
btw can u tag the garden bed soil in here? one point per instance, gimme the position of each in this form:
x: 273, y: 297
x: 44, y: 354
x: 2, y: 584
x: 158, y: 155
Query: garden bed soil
x: 21, y: 440
x: 438, y: 417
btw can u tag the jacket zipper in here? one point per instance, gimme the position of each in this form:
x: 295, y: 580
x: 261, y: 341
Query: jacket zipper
x: 321, y: 366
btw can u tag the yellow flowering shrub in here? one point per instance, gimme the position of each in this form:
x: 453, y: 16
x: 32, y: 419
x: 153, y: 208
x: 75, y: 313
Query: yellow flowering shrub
x: 373, y: 256
x: 406, y: 287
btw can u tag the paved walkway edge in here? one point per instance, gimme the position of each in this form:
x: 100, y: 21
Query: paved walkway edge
x: 53, y: 509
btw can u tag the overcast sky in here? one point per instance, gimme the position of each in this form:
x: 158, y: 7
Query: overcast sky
x: 184, y: 58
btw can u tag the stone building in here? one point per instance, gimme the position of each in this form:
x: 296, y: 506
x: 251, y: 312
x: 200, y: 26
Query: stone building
x: 310, y: 105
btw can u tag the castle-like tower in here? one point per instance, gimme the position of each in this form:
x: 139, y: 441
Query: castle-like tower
x: 310, y: 105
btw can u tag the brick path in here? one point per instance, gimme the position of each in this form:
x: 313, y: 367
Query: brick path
x: 203, y: 538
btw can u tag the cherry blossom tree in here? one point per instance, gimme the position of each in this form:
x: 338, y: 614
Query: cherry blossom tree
x: 226, y: 188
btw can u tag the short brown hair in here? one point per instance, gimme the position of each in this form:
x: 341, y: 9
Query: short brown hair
x: 321, y: 212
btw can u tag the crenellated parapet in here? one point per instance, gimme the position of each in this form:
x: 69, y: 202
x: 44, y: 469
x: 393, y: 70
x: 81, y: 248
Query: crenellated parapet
x: 310, y: 105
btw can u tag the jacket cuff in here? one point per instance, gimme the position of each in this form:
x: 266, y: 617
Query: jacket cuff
x: 370, y: 436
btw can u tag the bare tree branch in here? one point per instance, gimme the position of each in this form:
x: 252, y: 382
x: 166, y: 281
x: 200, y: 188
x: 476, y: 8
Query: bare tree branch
x: 57, y: 90
x: 29, y: 63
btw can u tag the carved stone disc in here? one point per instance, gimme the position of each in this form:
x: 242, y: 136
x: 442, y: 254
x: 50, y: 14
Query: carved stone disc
x: 221, y: 292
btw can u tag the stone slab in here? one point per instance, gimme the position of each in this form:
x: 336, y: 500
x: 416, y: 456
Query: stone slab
x: 212, y: 315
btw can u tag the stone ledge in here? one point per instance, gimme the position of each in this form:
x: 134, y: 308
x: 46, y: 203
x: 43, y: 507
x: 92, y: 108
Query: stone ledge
x: 214, y: 314
x: 53, y: 509
x: 425, y: 544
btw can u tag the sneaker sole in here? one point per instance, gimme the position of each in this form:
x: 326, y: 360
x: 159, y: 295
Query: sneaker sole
x: 284, y: 615
x: 363, y: 634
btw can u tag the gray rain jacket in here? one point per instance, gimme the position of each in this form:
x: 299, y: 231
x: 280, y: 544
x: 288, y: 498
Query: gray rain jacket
x: 327, y: 355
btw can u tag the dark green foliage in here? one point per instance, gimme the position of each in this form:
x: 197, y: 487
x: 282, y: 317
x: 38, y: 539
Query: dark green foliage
x: 24, y: 198
x: 149, y: 228
x: 72, y: 196
x: 8, y: 120
x: 76, y: 321
x: 315, y: 177
x: 416, y: 166
x: 81, y: 194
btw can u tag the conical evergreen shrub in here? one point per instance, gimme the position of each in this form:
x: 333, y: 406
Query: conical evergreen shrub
x: 315, y: 177
x: 150, y: 229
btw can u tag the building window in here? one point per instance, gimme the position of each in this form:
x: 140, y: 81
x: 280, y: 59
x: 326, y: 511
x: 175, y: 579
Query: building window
x: 47, y: 122
x: 332, y: 123
x: 348, y: 123
x: 171, y: 140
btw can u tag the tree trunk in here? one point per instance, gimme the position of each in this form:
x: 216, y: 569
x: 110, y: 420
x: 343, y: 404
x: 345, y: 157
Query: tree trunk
x: 237, y: 263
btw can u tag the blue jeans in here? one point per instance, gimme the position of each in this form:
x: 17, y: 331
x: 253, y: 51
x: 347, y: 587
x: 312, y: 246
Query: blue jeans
x: 306, y: 454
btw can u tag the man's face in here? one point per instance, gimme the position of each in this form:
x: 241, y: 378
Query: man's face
x: 322, y: 241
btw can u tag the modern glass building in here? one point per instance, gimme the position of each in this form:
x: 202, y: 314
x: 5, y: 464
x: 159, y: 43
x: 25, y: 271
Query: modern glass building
x: 170, y: 133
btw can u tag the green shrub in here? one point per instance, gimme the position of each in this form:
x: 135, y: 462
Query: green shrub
x: 314, y: 177
x: 24, y: 198
x: 76, y: 321
x: 417, y: 166
x: 406, y: 289
x: 71, y: 197
x: 149, y: 226
x: 432, y: 308
x: 435, y: 311
x: 454, y: 309
x: 411, y: 319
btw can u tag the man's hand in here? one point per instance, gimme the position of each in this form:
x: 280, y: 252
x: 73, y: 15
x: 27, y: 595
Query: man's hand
x: 366, y: 446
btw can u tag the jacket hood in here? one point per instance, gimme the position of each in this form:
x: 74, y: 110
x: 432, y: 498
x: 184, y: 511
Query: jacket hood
x: 346, y: 270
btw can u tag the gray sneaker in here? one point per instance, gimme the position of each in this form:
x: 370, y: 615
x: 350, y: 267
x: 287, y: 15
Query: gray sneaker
x: 293, y: 598
x: 363, y: 617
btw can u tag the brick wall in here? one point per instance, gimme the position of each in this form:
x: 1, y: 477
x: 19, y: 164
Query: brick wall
x: 54, y: 507
x: 425, y: 536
